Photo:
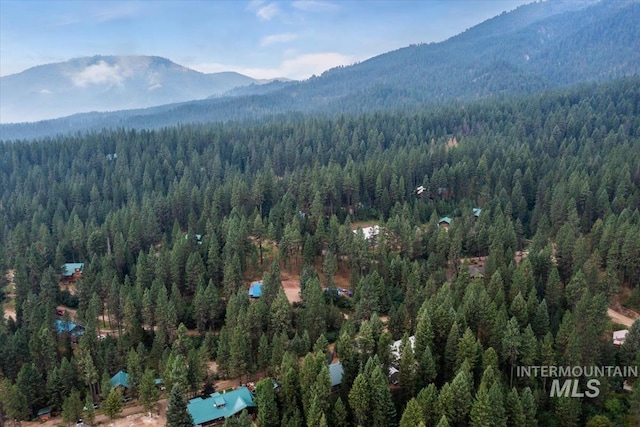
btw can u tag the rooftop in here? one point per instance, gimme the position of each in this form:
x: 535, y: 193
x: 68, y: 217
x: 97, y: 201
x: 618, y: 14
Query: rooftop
x: 68, y: 326
x: 335, y: 373
x: 255, y: 291
x: 220, y: 405
x: 620, y: 336
x: 121, y: 379
x: 395, y: 347
x: 370, y: 232
x: 69, y: 268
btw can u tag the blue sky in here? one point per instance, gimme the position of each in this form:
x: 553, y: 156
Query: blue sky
x: 259, y: 38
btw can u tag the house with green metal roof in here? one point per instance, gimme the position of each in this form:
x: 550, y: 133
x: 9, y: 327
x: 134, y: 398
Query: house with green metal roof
x: 120, y: 379
x: 336, y: 371
x: 444, y: 222
x: 72, y: 271
x: 219, y: 406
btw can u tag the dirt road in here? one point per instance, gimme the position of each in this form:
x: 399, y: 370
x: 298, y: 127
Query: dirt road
x: 620, y: 318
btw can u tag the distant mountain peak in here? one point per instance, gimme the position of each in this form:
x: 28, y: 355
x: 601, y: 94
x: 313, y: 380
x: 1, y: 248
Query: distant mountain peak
x: 106, y: 83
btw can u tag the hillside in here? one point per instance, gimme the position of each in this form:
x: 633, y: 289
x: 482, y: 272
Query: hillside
x: 106, y: 83
x: 174, y: 229
x: 537, y: 47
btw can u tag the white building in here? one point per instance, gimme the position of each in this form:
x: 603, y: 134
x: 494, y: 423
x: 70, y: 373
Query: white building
x: 370, y: 232
x: 620, y: 336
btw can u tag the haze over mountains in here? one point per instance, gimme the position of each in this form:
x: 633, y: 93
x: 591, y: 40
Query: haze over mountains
x: 106, y: 83
x: 536, y: 47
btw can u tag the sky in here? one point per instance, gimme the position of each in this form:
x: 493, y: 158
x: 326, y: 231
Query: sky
x: 263, y: 39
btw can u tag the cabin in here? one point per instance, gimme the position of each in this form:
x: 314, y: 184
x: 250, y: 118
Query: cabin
x: 44, y: 414
x: 255, y: 291
x: 120, y: 379
x: 73, y: 329
x: 620, y: 336
x: 336, y: 372
x: 444, y: 222
x: 72, y: 271
x: 214, y: 409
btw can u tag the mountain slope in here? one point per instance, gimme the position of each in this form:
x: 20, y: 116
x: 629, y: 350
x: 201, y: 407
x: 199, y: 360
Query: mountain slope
x: 536, y: 47
x: 106, y: 83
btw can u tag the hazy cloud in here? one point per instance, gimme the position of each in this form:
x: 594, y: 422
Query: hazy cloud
x: 299, y: 68
x: 277, y: 38
x: 314, y: 5
x: 267, y: 12
x: 45, y: 92
x: 100, y: 73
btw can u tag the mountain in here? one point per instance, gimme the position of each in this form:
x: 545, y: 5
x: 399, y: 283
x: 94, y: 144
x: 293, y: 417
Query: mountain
x: 106, y: 83
x: 537, y: 47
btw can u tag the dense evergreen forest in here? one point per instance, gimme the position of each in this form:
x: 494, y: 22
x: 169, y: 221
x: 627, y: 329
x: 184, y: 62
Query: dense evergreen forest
x: 173, y: 224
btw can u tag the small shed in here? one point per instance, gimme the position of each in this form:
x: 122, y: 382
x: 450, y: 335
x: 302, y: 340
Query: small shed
x: 444, y: 222
x: 255, y: 291
x: 44, y: 414
x: 620, y: 336
x: 477, y: 212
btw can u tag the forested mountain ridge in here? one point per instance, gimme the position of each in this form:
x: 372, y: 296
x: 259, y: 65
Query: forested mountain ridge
x: 536, y: 47
x: 106, y: 83
x: 557, y: 174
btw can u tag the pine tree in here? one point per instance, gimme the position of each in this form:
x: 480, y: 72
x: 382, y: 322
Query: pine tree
x: 72, y: 407
x: 113, y: 404
x: 14, y: 402
x: 443, y: 422
x: 89, y: 411
x: 461, y: 388
x: 428, y: 400
x: 339, y: 415
x: 481, y: 410
x: 496, y: 405
x: 407, y: 366
x: 529, y: 407
x: 515, y: 414
x: 266, y: 402
x: 359, y: 400
x: 177, y: 414
x: 412, y: 415
x: 149, y: 394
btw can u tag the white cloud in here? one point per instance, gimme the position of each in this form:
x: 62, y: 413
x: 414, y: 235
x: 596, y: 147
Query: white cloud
x: 314, y: 5
x: 277, y: 38
x: 267, y: 12
x: 100, y: 73
x: 45, y: 92
x: 299, y: 68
